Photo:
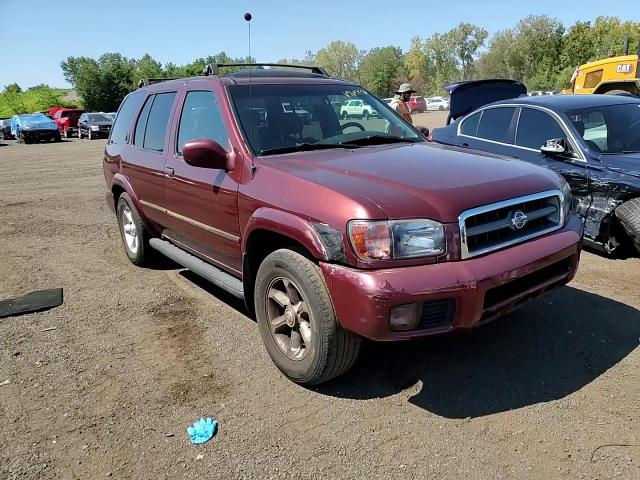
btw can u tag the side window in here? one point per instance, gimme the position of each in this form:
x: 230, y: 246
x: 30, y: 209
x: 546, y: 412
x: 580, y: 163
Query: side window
x: 592, y: 79
x: 495, y: 123
x: 470, y: 125
x: 201, y: 119
x: 535, y: 128
x: 157, y: 123
x: 141, y: 124
x: 128, y: 109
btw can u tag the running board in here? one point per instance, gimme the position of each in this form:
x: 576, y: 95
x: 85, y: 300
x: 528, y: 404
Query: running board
x: 205, y: 270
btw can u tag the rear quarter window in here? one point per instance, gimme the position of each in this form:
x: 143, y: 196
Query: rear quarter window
x: 470, y: 125
x: 129, y: 107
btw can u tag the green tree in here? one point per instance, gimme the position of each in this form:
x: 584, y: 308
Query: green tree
x: 102, y: 83
x: 465, y: 40
x: 379, y: 69
x: 418, y: 66
x: 147, y: 67
x: 12, y: 88
x: 441, y: 53
x: 340, y: 59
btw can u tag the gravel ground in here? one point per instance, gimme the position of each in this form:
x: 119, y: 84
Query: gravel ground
x: 136, y: 355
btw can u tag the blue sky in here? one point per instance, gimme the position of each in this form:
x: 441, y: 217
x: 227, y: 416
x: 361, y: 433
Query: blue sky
x: 36, y: 35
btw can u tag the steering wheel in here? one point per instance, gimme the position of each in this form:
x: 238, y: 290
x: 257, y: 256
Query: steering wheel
x: 352, y: 124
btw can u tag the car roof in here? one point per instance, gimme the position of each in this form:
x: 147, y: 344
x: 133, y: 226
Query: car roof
x: 571, y: 102
x: 257, y: 77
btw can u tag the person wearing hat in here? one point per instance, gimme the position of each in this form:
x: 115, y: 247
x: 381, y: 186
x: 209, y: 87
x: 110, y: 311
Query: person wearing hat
x: 399, y: 102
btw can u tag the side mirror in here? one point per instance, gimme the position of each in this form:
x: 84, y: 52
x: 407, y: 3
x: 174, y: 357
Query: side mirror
x: 555, y: 146
x: 206, y: 154
x: 424, y: 131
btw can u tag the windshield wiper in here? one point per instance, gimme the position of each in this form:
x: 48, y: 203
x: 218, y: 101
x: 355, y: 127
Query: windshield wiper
x: 306, y: 147
x: 379, y: 140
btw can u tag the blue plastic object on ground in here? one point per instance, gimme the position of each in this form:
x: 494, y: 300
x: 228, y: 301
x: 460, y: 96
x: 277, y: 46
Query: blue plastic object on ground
x: 202, y: 430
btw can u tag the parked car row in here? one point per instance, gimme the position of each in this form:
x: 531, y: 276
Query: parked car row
x: 331, y: 231
x: 67, y: 122
x: 419, y: 104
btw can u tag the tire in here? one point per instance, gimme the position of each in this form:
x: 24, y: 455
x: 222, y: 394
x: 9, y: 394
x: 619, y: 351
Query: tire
x: 67, y: 133
x: 344, y: 115
x: 57, y: 138
x: 441, y: 108
x: 628, y: 214
x: 129, y: 217
x: 365, y: 115
x: 619, y: 92
x: 329, y: 351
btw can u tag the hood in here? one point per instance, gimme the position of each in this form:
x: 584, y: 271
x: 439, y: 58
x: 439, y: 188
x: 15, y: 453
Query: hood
x: 419, y: 180
x: 628, y: 164
x: 465, y: 97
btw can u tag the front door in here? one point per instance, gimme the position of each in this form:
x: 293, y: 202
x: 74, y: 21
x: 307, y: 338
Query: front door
x: 535, y: 127
x: 202, y: 203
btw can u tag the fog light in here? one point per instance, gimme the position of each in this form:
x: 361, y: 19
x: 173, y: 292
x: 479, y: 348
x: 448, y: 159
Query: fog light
x: 404, y: 317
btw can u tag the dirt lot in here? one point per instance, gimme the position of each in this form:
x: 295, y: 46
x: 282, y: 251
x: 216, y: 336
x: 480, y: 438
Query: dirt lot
x: 136, y: 355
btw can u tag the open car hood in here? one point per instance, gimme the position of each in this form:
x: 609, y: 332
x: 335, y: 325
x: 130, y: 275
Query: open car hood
x: 467, y: 96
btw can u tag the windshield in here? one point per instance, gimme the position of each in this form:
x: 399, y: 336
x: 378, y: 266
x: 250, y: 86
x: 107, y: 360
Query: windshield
x: 284, y: 117
x: 99, y: 117
x: 609, y: 129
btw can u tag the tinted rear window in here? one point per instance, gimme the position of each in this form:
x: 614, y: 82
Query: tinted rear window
x: 495, y: 123
x: 158, y: 120
x: 128, y: 109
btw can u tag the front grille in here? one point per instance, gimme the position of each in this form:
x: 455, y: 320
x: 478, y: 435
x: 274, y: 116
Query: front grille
x: 501, y: 224
x: 524, y: 288
x: 437, y: 313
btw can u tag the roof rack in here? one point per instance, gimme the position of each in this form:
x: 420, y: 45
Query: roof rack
x: 210, y: 69
x: 145, y: 82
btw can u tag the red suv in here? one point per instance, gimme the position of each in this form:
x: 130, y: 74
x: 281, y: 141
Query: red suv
x: 331, y: 230
x: 66, y: 119
x: 417, y: 104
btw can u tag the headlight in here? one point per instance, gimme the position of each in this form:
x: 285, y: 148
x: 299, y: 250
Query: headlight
x: 567, y: 202
x: 95, y: 128
x: 396, y: 239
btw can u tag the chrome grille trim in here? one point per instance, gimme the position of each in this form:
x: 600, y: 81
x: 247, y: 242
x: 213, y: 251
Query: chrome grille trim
x: 466, y: 232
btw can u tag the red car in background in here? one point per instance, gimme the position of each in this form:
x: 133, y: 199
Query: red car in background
x: 417, y: 104
x: 66, y: 119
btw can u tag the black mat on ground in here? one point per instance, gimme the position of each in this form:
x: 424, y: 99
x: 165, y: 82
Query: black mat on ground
x: 32, y: 302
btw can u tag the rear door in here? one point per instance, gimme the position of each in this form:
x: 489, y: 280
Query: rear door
x: 202, y: 203
x: 145, y: 162
x: 535, y: 127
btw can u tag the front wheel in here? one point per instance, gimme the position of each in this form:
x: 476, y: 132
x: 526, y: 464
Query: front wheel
x: 628, y: 214
x: 297, y: 321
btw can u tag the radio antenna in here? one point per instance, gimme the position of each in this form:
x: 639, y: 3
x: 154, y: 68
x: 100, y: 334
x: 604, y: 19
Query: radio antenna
x: 248, y: 17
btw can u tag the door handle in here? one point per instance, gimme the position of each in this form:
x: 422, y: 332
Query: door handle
x: 168, y: 171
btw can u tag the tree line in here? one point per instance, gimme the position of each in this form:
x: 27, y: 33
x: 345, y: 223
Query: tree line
x: 539, y: 51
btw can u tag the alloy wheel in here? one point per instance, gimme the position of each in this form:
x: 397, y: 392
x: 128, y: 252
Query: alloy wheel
x: 289, y: 318
x: 129, y: 230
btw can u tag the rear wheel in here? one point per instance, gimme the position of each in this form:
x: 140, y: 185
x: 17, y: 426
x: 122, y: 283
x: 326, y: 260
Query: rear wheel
x: 297, y: 321
x: 344, y: 115
x: 441, y: 108
x: 628, y: 214
x: 135, y: 237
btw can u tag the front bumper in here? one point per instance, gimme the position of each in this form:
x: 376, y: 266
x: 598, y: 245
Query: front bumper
x: 464, y: 293
x: 40, y: 135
